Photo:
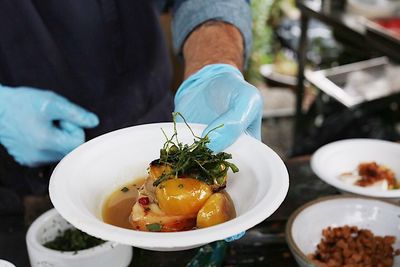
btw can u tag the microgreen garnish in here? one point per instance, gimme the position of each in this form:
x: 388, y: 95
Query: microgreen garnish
x: 195, y: 160
x: 73, y: 240
x: 125, y: 189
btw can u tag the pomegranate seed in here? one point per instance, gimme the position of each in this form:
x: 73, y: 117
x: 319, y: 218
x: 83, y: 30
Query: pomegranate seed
x: 144, y: 201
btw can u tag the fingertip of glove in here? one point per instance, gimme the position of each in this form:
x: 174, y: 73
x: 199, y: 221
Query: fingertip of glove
x: 218, y: 141
x: 69, y: 140
x: 235, y: 237
x: 91, y: 120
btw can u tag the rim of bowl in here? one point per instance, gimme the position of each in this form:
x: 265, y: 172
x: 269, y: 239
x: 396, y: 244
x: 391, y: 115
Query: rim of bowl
x: 6, y: 263
x: 48, y: 215
x: 293, y: 216
x: 360, y: 191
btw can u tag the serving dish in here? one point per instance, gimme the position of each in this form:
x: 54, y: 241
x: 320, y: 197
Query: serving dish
x: 305, y: 225
x: 49, y: 225
x: 82, y: 181
x: 334, y: 159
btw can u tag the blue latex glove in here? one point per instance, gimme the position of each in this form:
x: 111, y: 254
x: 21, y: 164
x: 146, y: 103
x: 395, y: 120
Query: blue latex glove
x: 29, y: 129
x: 210, y: 255
x: 218, y: 94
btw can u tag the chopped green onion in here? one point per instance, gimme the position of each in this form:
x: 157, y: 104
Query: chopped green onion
x: 154, y: 227
x: 125, y: 189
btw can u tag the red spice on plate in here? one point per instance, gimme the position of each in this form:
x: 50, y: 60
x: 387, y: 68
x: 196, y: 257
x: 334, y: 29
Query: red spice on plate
x: 144, y: 201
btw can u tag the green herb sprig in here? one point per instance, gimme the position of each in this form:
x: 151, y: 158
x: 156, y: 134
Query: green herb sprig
x: 195, y: 160
x: 73, y: 240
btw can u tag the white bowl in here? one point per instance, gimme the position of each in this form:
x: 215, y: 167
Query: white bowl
x: 86, y: 177
x: 4, y: 263
x: 49, y: 225
x: 305, y: 225
x: 333, y: 159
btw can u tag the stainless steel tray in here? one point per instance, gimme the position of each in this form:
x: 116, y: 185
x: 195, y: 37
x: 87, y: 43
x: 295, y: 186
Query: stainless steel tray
x: 359, y: 82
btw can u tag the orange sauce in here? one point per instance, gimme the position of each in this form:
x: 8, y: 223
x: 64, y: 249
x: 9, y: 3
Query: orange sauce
x: 118, y: 206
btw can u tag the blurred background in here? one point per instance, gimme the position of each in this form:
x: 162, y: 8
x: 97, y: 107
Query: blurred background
x: 339, y: 80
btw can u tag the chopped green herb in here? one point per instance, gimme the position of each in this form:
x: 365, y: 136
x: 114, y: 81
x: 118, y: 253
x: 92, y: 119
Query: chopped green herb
x: 180, y: 186
x: 125, y: 189
x: 73, y: 240
x: 195, y: 160
x: 154, y: 227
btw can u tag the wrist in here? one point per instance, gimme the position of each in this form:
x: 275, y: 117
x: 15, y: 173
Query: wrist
x: 213, y: 42
x: 210, y: 70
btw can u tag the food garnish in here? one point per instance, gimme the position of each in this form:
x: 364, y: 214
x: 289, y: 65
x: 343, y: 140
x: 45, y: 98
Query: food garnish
x: 154, y: 227
x: 196, y: 160
x: 124, y: 189
x: 184, y: 189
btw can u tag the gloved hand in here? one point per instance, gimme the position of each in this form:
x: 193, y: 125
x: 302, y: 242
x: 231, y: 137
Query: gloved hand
x: 218, y: 94
x: 39, y: 127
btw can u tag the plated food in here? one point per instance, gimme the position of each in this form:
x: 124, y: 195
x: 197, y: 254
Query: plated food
x: 83, y: 181
x: 184, y: 190
x: 371, y: 174
x: 367, y: 167
x: 353, y: 247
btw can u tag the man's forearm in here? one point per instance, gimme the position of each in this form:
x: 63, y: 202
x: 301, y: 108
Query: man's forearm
x: 213, y: 42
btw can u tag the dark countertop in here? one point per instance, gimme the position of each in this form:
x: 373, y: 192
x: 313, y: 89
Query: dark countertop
x: 263, y: 245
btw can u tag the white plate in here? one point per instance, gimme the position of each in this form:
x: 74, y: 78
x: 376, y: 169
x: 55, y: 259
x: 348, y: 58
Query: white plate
x: 87, y: 176
x: 333, y: 159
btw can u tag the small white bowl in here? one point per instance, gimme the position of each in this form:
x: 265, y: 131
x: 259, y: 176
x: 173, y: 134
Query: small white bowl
x: 84, y: 179
x: 4, y: 263
x: 305, y: 225
x: 49, y: 225
x: 334, y: 159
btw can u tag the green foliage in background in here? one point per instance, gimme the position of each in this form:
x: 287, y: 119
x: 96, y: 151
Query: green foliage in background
x: 267, y: 15
x: 262, y: 39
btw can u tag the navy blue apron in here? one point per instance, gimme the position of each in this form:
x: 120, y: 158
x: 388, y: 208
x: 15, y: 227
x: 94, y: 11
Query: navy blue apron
x: 107, y: 56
